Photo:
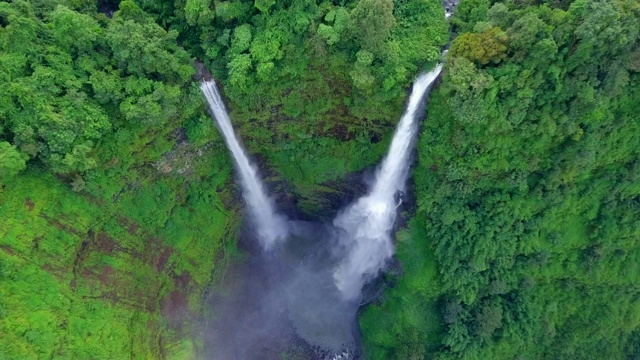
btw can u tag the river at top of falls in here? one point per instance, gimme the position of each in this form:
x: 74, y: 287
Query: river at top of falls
x: 271, y: 225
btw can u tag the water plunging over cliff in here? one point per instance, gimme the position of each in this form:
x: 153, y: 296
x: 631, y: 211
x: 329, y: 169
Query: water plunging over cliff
x: 271, y: 226
x: 367, y: 224
x: 309, y: 286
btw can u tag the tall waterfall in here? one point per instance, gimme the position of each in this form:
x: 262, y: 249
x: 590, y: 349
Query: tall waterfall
x: 271, y: 226
x: 367, y: 223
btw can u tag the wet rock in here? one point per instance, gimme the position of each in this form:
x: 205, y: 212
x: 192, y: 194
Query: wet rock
x: 449, y: 7
x: 107, y: 7
x: 202, y: 73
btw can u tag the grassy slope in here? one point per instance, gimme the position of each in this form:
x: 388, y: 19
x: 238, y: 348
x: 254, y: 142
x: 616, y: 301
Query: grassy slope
x: 86, y: 277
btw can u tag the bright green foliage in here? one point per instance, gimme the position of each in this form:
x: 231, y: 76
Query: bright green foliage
x: 241, y: 38
x: 264, y: 5
x: 293, y: 70
x: 78, y: 80
x: 371, y: 23
x: 198, y: 11
x: 11, y: 161
x: 239, y: 68
x: 105, y: 260
x: 84, y: 280
x: 146, y: 49
x: 527, y: 188
x: 524, y: 241
x: 339, y: 18
x: 361, y: 74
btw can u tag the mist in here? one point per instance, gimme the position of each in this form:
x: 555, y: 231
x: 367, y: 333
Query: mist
x: 299, y: 291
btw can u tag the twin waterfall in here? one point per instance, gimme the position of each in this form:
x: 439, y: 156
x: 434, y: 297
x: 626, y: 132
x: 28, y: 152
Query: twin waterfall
x: 365, y: 226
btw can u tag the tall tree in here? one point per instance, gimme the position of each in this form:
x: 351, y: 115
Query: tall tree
x: 371, y: 23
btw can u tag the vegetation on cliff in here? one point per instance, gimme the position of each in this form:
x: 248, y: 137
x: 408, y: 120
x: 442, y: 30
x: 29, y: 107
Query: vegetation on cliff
x: 118, y: 206
x: 525, y: 243
x: 124, y: 214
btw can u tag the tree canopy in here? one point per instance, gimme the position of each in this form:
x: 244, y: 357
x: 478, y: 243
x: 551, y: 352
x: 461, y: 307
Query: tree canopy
x: 119, y: 211
x: 527, y: 191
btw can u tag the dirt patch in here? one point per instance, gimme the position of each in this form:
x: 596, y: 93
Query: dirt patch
x: 58, y: 272
x: 182, y: 281
x: 144, y: 299
x: 48, y: 268
x: 105, y: 275
x: 8, y: 249
x: 154, y: 244
x: 132, y: 227
x: 162, y: 259
x: 102, y: 282
x: 340, y: 131
x: 81, y: 254
x: 108, y: 283
x: 106, y: 244
x: 179, y: 136
x: 173, y: 308
x: 29, y: 203
x: 63, y: 227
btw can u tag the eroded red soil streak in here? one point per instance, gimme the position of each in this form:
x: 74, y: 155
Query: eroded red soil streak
x: 162, y: 259
x: 29, y: 204
x: 106, y: 244
x: 173, y: 307
x: 8, y: 249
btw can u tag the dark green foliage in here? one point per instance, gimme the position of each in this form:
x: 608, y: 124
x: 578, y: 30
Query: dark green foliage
x: 371, y: 23
x: 527, y: 188
x: 69, y: 81
x: 306, y: 69
x: 104, y: 260
x: 115, y: 193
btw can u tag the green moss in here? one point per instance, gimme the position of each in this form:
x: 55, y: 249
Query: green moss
x: 86, y: 278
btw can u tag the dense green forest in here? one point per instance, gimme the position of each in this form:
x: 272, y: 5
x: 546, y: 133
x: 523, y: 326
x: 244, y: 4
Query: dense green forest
x: 527, y: 188
x: 119, y: 211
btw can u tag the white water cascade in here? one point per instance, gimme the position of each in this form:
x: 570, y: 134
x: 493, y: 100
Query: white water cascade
x: 367, y: 223
x: 271, y: 226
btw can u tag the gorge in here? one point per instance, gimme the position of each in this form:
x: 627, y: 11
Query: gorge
x: 315, y: 271
x: 505, y: 226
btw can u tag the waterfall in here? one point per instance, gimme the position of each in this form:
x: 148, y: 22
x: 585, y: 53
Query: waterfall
x: 367, y: 224
x: 271, y: 226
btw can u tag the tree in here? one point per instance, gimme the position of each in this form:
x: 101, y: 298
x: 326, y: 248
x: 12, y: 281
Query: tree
x: 264, y: 5
x: 340, y: 20
x: 489, y: 318
x: 487, y: 46
x: 11, y: 161
x: 371, y: 23
x: 198, y: 12
x: 239, y: 68
x: 74, y: 31
x: 361, y: 75
x: 144, y: 48
x: 241, y: 39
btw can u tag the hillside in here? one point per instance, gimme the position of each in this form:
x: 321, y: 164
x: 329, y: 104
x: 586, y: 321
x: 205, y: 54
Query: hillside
x: 121, y: 214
